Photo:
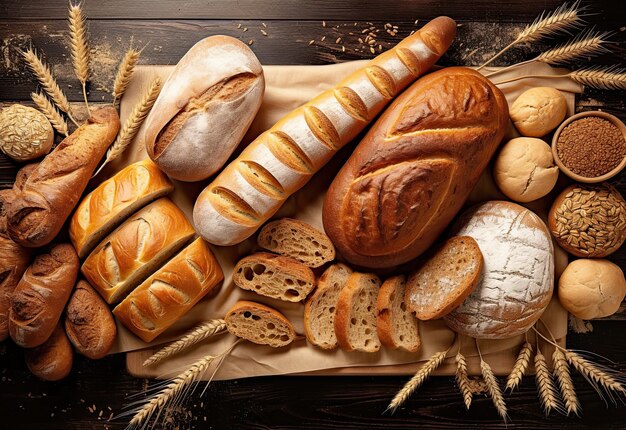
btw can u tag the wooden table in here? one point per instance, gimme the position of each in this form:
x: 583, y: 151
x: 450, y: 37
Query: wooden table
x: 165, y: 30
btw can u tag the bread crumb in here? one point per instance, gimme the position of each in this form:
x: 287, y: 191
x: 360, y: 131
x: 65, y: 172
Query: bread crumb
x: 250, y: 42
x: 311, y: 42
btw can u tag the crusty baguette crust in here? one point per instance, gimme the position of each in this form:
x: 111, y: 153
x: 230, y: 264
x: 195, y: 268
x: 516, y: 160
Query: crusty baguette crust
x: 51, y: 361
x: 52, y: 189
x: 113, y: 201
x: 170, y: 292
x: 412, y: 172
x: 384, y: 317
x: 235, y: 205
x: 269, y: 315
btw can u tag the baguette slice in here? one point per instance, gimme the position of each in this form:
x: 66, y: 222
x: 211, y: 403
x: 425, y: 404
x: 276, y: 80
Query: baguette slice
x: 446, y: 279
x: 355, y: 318
x: 320, y: 308
x: 259, y: 324
x: 274, y: 276
x: 397, y: 327
x: 298, y: 240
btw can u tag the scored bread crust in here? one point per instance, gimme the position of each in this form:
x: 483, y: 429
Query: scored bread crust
x: 325, y: 286
x: 345, y: 313
x: 52, y: 360
x: 282, y: 328
x: 386, y: 311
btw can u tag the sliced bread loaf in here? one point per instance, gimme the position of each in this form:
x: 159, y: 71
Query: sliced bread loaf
x: 274, y: 276
x: 397, y: 327
x: 298, y: 240
x: 259, y: 324
x: 355, y: 318
x: 445, y: 279
x: 320, y: 307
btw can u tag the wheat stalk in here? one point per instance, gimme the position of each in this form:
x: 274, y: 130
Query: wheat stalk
x: 545, y: 384
x: 463, y: 380
x: 561, y: 371
x: 422, y: 374
x: 44, y: 76
x: 520, y: 366
x: 50, y: 112
x: 585, y: 44
x: 80, y: 51
x: 593, y: 373
x: 197, y: 335
x: 604, y: 78
x: 124, y: 73
x: 494, y: 388
x: 133, y: 123
x: 558, y: 21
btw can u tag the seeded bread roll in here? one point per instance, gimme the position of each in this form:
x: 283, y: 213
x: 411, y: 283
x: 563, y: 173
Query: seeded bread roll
x: 321, y: 306
x: 89, y: 323
x: 113, y: 201
x: 259, y: 324
x: 396, y: 326
x: 51, y: 361
x: 298, y: 240
x: 274, y: 276
x: 355, y: 318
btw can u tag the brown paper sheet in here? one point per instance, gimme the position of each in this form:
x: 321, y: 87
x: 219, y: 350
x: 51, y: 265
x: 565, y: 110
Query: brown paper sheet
x: 286, y: 88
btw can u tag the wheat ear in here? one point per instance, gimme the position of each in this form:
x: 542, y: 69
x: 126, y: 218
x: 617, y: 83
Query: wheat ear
x: 80, y: 51
x: 568, y: 393
x: 422, y: 374
x: 558, y: 21
x: 493, y: 387
x: 604, y: 78
x: 53, y: 115
x: 132, y: 124
x: 463, y: 380
x: 545, y: 384
x: 520, y: 366
x: 44, y: 76
x: 593, y: 373
x: 124, y: 73
x: 195, y: 336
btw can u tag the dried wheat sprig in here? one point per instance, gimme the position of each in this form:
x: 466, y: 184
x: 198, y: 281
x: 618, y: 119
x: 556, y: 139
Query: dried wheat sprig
x: 493, y: 387
x: 463, y: 380
x: 125, y: 73
x: 53, y: 115
x: 568, y: 393
x: 594, y: 373
x: 545, y: 384
x: 78, y: 42
x: 422, y: 374
x: 195, y: 336
x: 133, y: 123
x: 558, y: 21
x: 520, y: 366
x: 586, y: 44
x: 604, y: 78
x: 46, y: 79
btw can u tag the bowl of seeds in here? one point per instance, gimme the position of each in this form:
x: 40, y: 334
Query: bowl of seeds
x: 590, y: 147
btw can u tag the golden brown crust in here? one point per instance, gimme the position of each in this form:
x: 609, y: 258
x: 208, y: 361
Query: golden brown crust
x: 412, y: 172
x: 52, y: 360
x: 170, y: 292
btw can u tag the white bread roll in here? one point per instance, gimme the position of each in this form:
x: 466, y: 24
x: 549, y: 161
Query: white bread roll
x: 538, y: 111
x: 518, y: 275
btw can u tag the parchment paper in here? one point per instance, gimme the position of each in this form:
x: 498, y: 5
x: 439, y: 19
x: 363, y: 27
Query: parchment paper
x: 286, y: 88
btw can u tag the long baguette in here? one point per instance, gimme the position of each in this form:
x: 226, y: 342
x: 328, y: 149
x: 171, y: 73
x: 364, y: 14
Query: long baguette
x: 281, y: 160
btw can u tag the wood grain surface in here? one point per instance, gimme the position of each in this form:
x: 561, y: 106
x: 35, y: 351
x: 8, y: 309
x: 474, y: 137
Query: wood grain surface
x: 97, y: 390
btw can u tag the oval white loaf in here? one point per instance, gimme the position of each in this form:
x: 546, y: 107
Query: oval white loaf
x: 518, y: 275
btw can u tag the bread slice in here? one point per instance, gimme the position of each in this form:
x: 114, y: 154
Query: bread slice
x: 298, y: 240
x: 259, y: 324
x: 274, y: 276
x: 355, y: 318
x: 320, y: 307
x: 397, y: 327
x: 446, y: 279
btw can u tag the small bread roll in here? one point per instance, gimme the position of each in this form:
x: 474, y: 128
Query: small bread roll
x: 524, y: 169
x: 538, y: 111
x: 592, y: 288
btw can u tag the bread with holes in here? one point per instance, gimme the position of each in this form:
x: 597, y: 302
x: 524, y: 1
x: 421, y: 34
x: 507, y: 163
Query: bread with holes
x: 259, y: 324
x: 355, y: 317
x: 445, y: 279
x: 320, y: 307
x: 170, y: 292
x: 298, y: 240
x: 136, y: 249
x: 274, y: 276
x: 396, y: 326
x: 286, y: 156
x: 113, y: 201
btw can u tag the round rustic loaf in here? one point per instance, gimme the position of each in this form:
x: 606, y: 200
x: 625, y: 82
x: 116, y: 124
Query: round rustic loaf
x: 518, y: 275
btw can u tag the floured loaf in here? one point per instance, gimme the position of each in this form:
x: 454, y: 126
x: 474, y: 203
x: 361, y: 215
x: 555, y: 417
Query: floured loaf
x: 518, y: 275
